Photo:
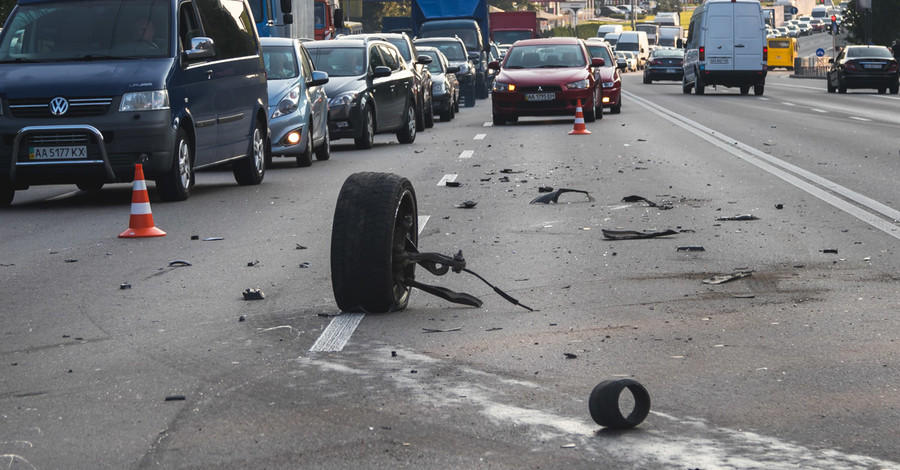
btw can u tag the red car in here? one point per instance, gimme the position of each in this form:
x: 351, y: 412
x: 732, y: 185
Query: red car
x: 609, y: 74
x: 546, y: 77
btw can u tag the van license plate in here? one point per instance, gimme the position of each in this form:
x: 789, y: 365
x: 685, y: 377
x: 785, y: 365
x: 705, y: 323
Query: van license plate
x: 540, y: 96
x: 57, y: 153
x: 719, y: 60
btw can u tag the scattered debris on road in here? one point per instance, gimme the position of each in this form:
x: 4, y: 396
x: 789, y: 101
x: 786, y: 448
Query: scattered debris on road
x: 452, y: 184
x: 690, y: 248
x: 213, y: 239
x: 253, y: 263
x: 635, y: 235
x: 466, y: 205
x: 253, y: 294
x: 570, y: 355
x: 603, y: 404
x: 664, y: 206
x: 125, y: 285
x: 723, y: 278
x: 179, y: 262
x: 438, y: 330
x: 175, y: 398
x: 554, y: 196
x: 832, y: 251
x: 739, y: 217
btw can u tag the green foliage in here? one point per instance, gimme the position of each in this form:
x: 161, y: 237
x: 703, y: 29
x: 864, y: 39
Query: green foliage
x: 373, y: 12
x: 884, y: 25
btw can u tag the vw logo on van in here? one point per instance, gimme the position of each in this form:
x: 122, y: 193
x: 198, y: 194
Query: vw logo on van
x: 59, y: 106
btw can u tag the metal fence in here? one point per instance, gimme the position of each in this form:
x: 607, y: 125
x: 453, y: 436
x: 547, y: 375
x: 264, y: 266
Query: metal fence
x: 811, y: 67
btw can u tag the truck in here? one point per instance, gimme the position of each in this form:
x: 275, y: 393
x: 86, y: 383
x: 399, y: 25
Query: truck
x: 670, y: 36
x: 397, y: 24
x: 508, y: 27
x: 466, y: 19
x: 298, y: 19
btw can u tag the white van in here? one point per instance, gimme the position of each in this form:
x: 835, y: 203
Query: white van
x: 612, y: 39
x: 637, y: 42
x: 726, y: 45
x: 605, y: 29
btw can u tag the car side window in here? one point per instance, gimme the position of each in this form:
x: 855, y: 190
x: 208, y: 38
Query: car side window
x: 391, y: 57
x: 188, y: 26
x: 229, y: 25
x: 306, y: 67
x: 375, y: 59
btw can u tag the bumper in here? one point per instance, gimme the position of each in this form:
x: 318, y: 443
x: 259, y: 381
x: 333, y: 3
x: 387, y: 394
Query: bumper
x: 282, y: 129
x: 564, y: 103
x: 345, y: 122
x: 113, y: 147
x: 733, y: 78
x: 664, y: 73
x: 611, y: 96
x: 870, y: 80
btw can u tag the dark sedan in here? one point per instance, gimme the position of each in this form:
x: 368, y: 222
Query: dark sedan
x: 547, y: 77
x: 664, y: 64
x: 864, y: 67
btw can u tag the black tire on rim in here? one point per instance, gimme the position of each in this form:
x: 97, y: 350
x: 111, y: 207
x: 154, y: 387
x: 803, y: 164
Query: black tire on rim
x: 7, y: 193
x: 758, y: 90
x: 699, y: 86
x: 176, y: 184
x: 894, y: 89
x: 603, y: 404
x: 470, y: 96
x: 367, y: 139
x: 304, y: 158
x: 375, y: 215
x: 251, y: 169
x: 448, y: 114
x: 590, y: 113
x: 420, y: 113
x: 617, y: 108
x: 407, y: 133
x: 323, y: 151
x: 429, y: 113
x: 745, y: 89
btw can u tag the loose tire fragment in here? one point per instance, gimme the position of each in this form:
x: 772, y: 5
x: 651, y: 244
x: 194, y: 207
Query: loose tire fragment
x: 375, y: 215
x: 604, y: 404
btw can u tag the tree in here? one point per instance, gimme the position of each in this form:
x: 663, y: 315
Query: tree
x: 884, y: 26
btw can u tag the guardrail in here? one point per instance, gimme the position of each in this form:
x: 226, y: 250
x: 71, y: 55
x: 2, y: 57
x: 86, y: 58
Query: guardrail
x: 810, y: 67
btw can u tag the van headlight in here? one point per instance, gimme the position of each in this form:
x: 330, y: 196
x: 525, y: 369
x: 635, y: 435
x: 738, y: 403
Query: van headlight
x: 288, y: 104
x: 579, y: 85
x: 145, y: 100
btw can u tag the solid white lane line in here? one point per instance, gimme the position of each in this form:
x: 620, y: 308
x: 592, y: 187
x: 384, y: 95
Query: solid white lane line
x: 446, y: 178
x: 856, y: 118
x: 480, y: 136
x: 805, y: 180
x: 341, y: 327
x: 819, y: 110
x: 467, y: 154
x: 787, y: 104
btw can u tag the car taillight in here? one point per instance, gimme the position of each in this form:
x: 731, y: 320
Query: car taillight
x: 702, y: 53
x: 850, y: 66
x: 893, y: 67
x: 765, y: 53
x: 655, y: 62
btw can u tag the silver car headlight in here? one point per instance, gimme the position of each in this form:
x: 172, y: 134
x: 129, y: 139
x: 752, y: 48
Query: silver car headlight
x: 463, y: 68
x: 145, y: 100
x: 343, y: 100
x: 288, y: 104
x: 579, y: 85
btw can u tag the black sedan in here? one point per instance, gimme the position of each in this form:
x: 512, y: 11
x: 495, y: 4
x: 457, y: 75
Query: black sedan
x: 664, y: 64
x: 864, y: 67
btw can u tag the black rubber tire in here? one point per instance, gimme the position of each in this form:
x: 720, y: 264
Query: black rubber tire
x: 176, y: 184
x: 251, y: 169
x: 420, y: 113
x: 481, y: 90
x: 604, y: 404
x: 758, y: 90
x: 617, y: 108
x: 429, y: 113
x: 882, y: 90
x: 470, y: 96
x: 90, y: 186
x: 407, y: 133
x: 841, y: 87
x: 305, y: 158
x: 685, y: 88
x: 894, y: 89
x: 589, y: 113
x: 699, y: 87
x: 367, y: 139
x: 829, y: 86
x: 745, y: 89
x: 323, y: 151
x: 7, y: 193
x: 375, y: 214
x: 647, y: 81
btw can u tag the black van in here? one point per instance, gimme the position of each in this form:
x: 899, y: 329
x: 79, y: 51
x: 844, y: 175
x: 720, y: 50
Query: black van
x: 89, y: 88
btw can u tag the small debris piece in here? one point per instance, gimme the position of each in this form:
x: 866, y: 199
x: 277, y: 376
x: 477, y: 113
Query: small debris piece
x: 545, y: 189
x: 493, y: 329
x: 125, y: 285
x: 300, y: 247
x: 503, y: 179
x: 304, y: 264
x: 723, y: 278
x: 195, y: 237
x: 635, y: 235
x: 832, y: 251
x: 175, y: 398
x: 567, y: 446
x: 510, y: 171
x: 437, y: 330
x: 71, y: 260
x: 554, y: 196
x: 690, y: 248
x: 213, y: 239
x: 466, y: 205
x: 179, y: 262
x: 739, y: 217
x: 453, y: 184
x: 639, y: 199
x: 570, y: 355
x: 253, y: 294
x: 253, y: 263
x: 779, y: 206
x: 486, y: 179
x: 242, y: 318
x: 393, y: 353
x: 743, y: 296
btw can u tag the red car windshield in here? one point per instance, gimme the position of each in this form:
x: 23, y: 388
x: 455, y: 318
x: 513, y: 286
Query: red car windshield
x: 545, y: 56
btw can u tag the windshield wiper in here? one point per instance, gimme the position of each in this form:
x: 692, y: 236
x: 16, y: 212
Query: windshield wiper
x: 90, y: 57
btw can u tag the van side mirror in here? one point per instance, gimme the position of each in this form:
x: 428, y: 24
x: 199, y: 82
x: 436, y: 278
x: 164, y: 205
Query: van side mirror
x: 285, y: 6
x: 201, y: 48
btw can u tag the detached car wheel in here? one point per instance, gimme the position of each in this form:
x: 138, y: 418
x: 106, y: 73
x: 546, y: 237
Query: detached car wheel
x: 374, y: 219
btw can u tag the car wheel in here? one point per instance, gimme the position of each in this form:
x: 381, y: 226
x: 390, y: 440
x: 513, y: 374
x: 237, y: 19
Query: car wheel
x: 420, y: 113
x: 481, y: 91
x: 882, y: 90
x: 367, y: 139
x: 842, y: 88
x: 895, y: 89
x: 745, y: 89
x: 375, y: 220
x: 89, y: 186
x: 447, y: 115
x: 685, y: 87
x: 590, y: 113
x: 304, y: 158
x: 470, y: 96
x: 758, y: 90
x: 7, y: 193
x: 323, y: 151
x: 407, y: 134
x: 176, y: 184
x: 830, y: 87
x: 429, y: 114
x: 617, y: 108
x: 499, y: 120
x: 456, y: 104
x: 647, y: 80
x: 251, y: 169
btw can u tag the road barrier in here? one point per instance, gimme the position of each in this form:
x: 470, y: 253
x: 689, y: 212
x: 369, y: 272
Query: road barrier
x: 810, y: 67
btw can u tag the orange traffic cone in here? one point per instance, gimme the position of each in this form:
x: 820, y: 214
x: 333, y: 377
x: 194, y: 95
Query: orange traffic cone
x: 141, y: 223
x: 579, y: 122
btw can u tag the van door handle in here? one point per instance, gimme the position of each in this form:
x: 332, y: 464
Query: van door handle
x: 209, y: 74
x: 738, y: 45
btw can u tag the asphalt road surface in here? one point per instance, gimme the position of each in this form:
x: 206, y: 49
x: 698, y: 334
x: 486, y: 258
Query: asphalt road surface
x: 793, y: 366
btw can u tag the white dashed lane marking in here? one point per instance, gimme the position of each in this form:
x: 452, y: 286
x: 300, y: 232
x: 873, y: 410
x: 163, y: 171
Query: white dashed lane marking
x: 447, y: 178
x: 467, y: 154
x: 480, y: 136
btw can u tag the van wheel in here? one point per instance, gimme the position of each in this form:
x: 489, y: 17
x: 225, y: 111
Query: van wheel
x: 830, y: 87
x: 176, y: 184
x: 882, y: 90
x: 895, y: 89
x: 304, y: 158
x: 251, y: 169
x: 685, y: 88
x: 407, y: 134
x: 323, y: 151
x: 7, y: 193
x: 699, y: 87
x: 758, y: 90
x: 745, y: 89
x: 367, y: 139
x: 374, y: 220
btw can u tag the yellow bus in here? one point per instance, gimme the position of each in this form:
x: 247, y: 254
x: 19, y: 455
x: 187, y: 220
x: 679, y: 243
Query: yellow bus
x: 782, y: 52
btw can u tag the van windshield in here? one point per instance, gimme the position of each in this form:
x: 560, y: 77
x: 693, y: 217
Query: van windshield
x: 87, y: 30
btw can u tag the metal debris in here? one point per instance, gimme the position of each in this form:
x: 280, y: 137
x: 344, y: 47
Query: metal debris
x: 253, y: 294
x: 179, y: 262
x: 723, y: 278
x: 554, y: 196
x: 690, y: 248
x: 739, y: 217
x: 438, y: 330
x: 635, y: 235
x: 466, y: 205
x: 213, y: 239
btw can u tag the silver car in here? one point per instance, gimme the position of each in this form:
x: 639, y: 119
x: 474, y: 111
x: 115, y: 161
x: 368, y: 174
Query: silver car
x: 298, y: 106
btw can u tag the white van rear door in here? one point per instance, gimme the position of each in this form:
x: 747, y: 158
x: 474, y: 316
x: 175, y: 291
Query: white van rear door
x: 719, y: 36
x: 749, y: 37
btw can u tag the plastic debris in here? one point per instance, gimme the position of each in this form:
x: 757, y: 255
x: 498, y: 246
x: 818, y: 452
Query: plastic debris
x: 635, y: 235
x: 723, y: 278
x: 554, y: 196
x: 175, y: 398
x: 510, y: 171
x: 125, y: 285
x: 453, y: 184
x: 466, y: 205
x: 179, y: 262
x: 545, y: 189
x: 195, y: 237
x: 213, y: 239
x: 664, y: 206
x: 503, y: 179
x: 253, y: 294
x: 832, y: 251
x: 739, y: 217
x: 570, y: 355
x: 71, y: 260
x: 690, y: 248
x: 253, y: 263
x: 438, y: 330
x: 779, y: 206
x: 300, y: 247
x: 304, y: 265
